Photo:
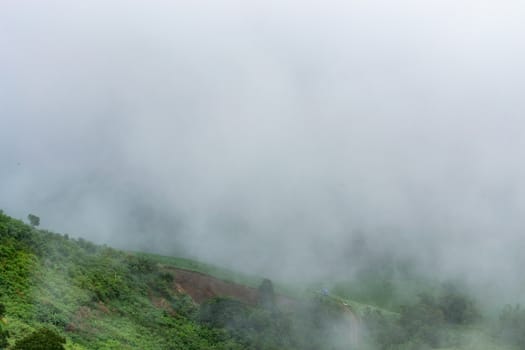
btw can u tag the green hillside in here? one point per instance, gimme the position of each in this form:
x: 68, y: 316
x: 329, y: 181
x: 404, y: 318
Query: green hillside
x: 96, y: 297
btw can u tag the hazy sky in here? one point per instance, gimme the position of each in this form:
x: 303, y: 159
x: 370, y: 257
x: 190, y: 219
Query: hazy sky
x: 266, y: 134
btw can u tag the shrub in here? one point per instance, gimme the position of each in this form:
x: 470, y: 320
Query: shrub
x: 43, y: 339
x: 423, y: 320
x: 223, y: 312
x: 140, y: 264
x: 48, y: 313
x: 184, y: 306
x: 458, y: 309
x: 253, y: 327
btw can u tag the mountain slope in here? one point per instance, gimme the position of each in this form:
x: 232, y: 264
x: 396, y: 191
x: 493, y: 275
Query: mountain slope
x: 98, y: 297
x: 101, y: 298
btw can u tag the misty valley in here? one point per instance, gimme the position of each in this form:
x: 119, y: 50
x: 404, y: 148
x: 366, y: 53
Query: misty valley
x: 262, y: 175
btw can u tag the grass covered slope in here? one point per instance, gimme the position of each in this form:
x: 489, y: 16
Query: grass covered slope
x: 97, y: 297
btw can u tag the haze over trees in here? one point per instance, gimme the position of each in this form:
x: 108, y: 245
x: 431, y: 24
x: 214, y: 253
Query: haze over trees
x: 288, y: 127
x: 225, y: 174
x: 71, y: 293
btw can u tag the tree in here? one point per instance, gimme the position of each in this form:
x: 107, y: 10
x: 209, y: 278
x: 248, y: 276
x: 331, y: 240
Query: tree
x: 43, y: 339
x: 423, y: 321
x: 33, y: 220
x: 266, y: 295
x: 458, y: 308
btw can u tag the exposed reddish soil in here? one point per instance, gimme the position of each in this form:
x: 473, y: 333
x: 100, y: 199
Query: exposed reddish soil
x: 201, y: 287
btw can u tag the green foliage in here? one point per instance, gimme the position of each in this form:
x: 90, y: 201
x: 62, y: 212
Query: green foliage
x: 185, y: 306
x: 4, y: 334
x: 18, y: 261
x: 104, y: 277
x: 43, y: 339
x: 426, y: 323
x: 48, y: 313
x: 102, y: 298
x: 223, y: 312
x: 318, y: 323
x: 249, y: 326
x: 423, y: 321
x: 458, y: 309
x: 140, y: 264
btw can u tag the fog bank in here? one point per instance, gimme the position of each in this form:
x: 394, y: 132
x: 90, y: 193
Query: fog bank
x: 267, y: 136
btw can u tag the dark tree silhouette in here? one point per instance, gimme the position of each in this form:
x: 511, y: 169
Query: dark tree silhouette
x: 33, y: 220
x: 43, y: 339
x: 266, y: 295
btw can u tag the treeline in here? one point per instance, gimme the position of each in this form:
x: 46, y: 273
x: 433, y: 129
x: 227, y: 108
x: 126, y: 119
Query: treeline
x: 427, y: 323
x: 437, y: 322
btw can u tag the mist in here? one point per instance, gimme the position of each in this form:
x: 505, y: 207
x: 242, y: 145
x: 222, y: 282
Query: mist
x: 267, y: 136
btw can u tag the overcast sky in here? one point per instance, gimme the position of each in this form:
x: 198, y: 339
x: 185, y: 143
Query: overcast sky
x: 267, y: 134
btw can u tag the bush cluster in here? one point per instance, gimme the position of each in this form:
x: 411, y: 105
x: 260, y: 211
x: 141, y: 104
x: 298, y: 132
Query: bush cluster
x: 43, y: 339
x: 423, y: 324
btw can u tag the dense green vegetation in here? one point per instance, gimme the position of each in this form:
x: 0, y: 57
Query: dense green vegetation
x: 427, y: 323
x: 96, y: 297
x: 62, y: 293
x: 4, y: 334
